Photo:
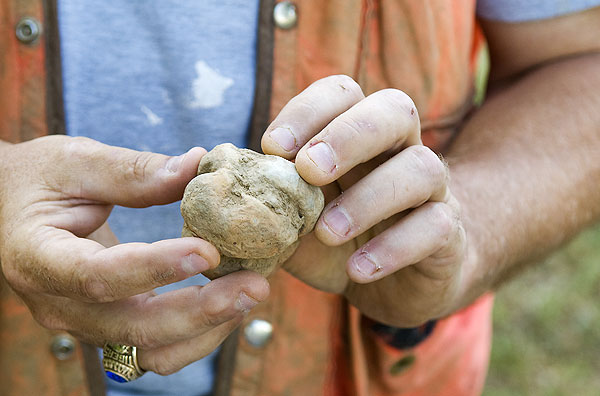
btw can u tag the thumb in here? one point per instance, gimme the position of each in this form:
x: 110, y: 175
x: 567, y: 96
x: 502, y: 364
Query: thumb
x: 125, y: 177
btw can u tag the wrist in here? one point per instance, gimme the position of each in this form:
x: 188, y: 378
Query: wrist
x: 473, y: 282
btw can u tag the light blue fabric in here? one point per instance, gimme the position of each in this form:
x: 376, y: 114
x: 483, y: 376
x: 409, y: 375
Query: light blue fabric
x: 529, y: 10
x: 159, y: 76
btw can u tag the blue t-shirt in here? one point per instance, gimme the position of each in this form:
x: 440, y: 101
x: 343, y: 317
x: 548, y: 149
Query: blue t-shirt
x: 529, y: 10
x: 161, y: 76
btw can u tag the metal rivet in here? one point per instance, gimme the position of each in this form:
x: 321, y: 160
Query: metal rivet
x: 63, y: 347
x: 258, y: 333
x: 28, y: 30
x: 285, y: 15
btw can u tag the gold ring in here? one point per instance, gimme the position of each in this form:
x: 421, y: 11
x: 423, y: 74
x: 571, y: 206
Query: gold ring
x: 120, y: 362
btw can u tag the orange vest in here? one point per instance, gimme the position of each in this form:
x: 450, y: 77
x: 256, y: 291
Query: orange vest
x: 320, y: 345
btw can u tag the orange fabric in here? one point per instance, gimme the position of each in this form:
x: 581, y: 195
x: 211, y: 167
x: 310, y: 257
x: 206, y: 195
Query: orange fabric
x: 22, y: 75
x: 320, y: 345
x: 452, y: 361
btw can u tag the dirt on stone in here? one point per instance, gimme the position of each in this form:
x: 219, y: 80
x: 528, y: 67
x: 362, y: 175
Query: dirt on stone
x: 252, y: 207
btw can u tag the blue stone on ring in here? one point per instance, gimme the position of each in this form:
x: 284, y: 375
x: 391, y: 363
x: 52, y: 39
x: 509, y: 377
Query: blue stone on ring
x: 115, y: 377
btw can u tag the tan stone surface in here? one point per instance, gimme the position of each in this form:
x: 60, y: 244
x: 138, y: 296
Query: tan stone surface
x: 252, y: 207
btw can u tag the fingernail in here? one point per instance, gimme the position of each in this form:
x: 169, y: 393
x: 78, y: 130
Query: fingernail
x: 366, y: 265
x: 245, y: 303
x: 193, y: 264
x: 284, y: 138
x: 337, y: 221
x: 322, y: 156
x: 173, y: 163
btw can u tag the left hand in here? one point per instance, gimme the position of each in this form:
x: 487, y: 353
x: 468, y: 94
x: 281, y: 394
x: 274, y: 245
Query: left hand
x: 390, y: 238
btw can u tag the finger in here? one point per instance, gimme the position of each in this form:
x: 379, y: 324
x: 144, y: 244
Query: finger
x: 152, y: 321
x: 194, y: 311
x: 308, y: 113
x: 383, y: 121
x: 412, y: 177
x: 124, y: 177
x: 56, y: 262
x: 431, y: 228
x: 172, y: 358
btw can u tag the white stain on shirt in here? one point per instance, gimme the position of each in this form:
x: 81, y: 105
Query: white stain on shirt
x: 208, y: 88
x: 152, y: 118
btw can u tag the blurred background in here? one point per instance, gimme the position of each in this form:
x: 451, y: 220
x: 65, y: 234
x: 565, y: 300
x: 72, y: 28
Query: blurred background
x: 547, y: 326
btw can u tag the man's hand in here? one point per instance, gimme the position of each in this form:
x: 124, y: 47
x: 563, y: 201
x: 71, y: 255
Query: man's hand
x: 390, y: 239
x: 522, y: 171
x: 57, y: 190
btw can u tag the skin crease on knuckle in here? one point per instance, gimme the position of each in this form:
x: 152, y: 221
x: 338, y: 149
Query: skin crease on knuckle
x: 346, y: 83
x: 210, y: 316
x: 428, y: 163
x: 135, y: 169
x: 93, y: 286
x: 165, y: 365
x: 399, y: 101
x: 141, y: 336
x: 444, y: 220
x: 402, y: 104
x: 216, y: 308
x: 77, y: 149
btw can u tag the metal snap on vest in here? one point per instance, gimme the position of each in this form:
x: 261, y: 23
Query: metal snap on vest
x: 258, y: 333
x: 285, y: 15
x: 28, y: 30
x: 63, y: 347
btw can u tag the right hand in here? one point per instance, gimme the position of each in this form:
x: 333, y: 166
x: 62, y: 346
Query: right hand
x: 54, y: 192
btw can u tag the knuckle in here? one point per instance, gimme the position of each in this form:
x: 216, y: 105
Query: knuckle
x: 398, y: 99
x: 161, y: 277
x: 429, y: 163
x: 136, y: 167
x: 307, y: 107
x: 79, y: 147
x: 347, y: 84
x: 213, y: 313
x: 400, y: 106
x: 444, y: 220
x: 94, y: 287
x: 142, y: 337
x: 164, y: 366
x: 211, y: 317
x: 349, y: 125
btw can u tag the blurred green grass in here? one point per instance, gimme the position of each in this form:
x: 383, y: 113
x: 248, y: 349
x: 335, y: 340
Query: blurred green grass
x: 547, y: 326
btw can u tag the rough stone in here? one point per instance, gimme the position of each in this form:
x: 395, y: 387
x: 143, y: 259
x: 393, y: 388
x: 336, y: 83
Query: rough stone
x: 252, y: 207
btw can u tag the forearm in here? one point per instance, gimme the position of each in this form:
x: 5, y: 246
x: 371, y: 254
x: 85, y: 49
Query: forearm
x: 525, y: 169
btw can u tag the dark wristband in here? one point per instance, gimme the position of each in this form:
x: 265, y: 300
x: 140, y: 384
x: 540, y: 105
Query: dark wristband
x: 403, y: 338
